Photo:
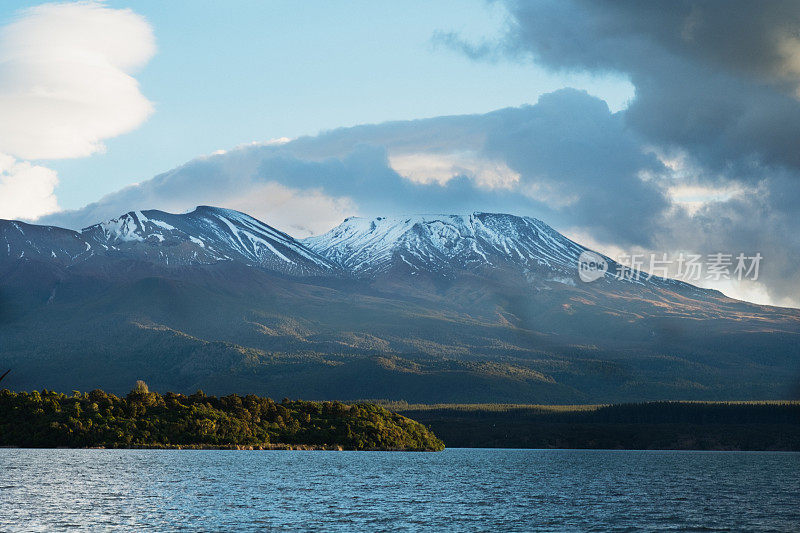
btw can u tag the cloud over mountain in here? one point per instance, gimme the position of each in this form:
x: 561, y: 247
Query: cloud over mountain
x: 26, y: 188
x: 703, y: 160
x: 550, y: 159
x: 717, y: 87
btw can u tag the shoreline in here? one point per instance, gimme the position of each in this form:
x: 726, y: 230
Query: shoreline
x: 222, y: 447
x: 306, y: 448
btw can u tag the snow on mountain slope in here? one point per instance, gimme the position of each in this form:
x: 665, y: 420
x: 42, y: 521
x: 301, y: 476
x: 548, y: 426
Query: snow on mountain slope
x: 443, y: 243
x: 206, y: 235
x: 446, y: 244
x: 19, y: 240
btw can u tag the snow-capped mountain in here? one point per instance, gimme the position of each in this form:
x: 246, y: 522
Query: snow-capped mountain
x: 207, y: 235
x: 440, y: 245
x: 192, y: 301
x: 446, y: 243
x: 19, y: 240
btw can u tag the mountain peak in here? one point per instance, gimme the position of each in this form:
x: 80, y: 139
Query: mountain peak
x: 210, y: 209
x: 125, y: 228
x: 444, y: 243
x: 497, y: 245
x: 204, y: 236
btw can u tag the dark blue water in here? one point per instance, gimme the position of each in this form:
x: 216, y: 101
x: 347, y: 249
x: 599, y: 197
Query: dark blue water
x: 456, y: 490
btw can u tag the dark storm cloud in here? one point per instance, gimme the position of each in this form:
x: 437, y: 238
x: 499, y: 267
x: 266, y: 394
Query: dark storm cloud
x: 736, y: 34
x: 718, y: 75
x: 571, y: 141
x: 716, y: 81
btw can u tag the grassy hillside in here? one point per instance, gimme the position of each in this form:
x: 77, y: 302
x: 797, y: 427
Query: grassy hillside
x: 149, y: 419
x: 227, y: 328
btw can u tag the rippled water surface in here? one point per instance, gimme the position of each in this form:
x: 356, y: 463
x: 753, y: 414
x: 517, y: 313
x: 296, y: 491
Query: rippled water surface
x: 459, y: 489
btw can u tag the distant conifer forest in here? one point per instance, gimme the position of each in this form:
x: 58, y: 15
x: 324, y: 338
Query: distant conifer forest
x: 634, y: 426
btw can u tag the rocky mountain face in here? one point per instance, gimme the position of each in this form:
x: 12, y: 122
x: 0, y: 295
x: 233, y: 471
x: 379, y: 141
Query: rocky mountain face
x: 467, y: 308
x: 491, y: 244
x: 205, y: 236
x: 447, y: 245
x: 24, y: 242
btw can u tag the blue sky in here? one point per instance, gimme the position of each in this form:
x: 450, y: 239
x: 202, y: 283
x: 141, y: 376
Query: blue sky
x: 228, y: 73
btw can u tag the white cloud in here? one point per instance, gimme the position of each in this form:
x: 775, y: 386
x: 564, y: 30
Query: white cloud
x: 694, y: 197
x: 65, y: 86
x: 272, y: 142
x: 26, y: 190
x: 426, y: 168
x: 547, y: 191
x: 301, y: 213
x: 750, y: 291
x: 65, y: 79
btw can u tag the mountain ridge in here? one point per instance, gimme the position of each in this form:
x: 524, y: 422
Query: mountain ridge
x: 202, y: 236
x: 448, y: 243
x: 472, y: 308
x: 438, y: 244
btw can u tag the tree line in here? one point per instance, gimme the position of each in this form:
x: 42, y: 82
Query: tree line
x: 648, y: 425
x: 149, y: 419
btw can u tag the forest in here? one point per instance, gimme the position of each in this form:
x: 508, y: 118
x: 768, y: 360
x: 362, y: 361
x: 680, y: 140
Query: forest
x: 146, y: 419
x: 634, y: 426
x: 46, y: 419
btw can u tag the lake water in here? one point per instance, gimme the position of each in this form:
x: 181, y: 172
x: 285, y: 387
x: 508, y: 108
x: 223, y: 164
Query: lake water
x: 456, y: 490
